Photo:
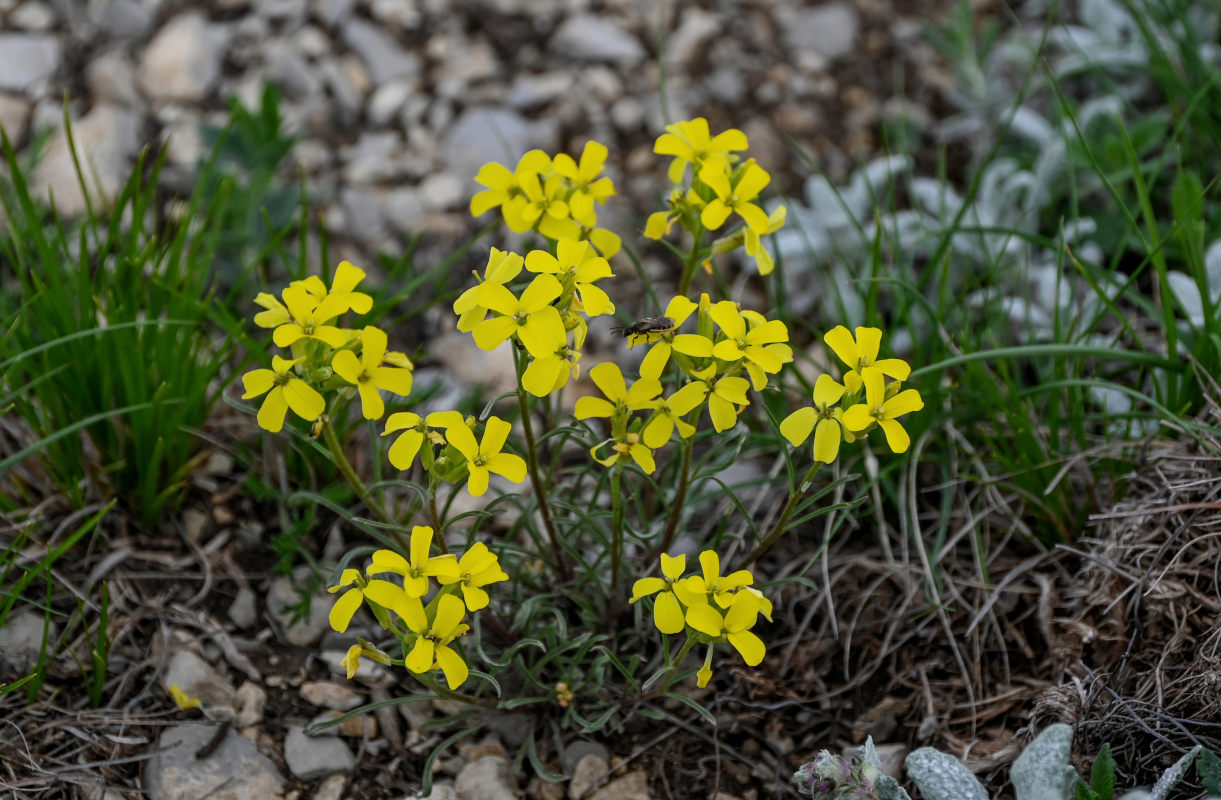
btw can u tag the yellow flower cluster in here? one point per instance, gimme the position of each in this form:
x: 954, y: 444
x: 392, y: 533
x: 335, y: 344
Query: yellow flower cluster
x: 556, y: 197
x: 357, y: 363
x: 731, y: 351
x: 427, y: 628
x: 721, y: 185
x: 710, y: 606
x: 548, y: 319
x: 840, y: 412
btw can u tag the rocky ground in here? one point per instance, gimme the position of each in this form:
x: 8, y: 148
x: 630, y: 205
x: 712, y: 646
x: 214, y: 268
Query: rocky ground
x: 396, y: 103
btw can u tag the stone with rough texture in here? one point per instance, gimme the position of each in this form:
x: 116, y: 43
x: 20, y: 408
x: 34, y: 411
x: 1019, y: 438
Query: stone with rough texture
x: 182, y: 62
x: 590, y: 771
x: 199, y: 679
x: 123, y: 19
x: 112, y: 79
x: 303, y: 632
x: 235, y: 771
x: 14, y: 118
x: 487, y: 778
x: 326, y: 694
x: 251, y: 703
x: 27, y: 59
x: 21, y: 640
x: 310, y: 757
x: 632, y: 786
x: 485, y: 133
x: 107, y: 139
x: 383, y: 56
x: 242, y: 611
x: 829, y: 30
x: 586, y: 37
x: 331, y: 788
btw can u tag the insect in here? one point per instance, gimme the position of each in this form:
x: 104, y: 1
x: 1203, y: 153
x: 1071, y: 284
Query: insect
x: 645, y: 326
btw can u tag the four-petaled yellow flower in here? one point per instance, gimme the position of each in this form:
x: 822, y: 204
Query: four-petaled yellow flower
x: 305, y: 316
x: 577, y: 265
x: 422, y: 565
x: 712, y: 585
x: 403, y: 451
x: 504, y: 188
x: 587, y: 187
x: 370, y: 374
x: 724, y: 396
x: 749, y: 344
x: 284, y: 391
x: 554, y: 361
x: 486, y: 457
x: 545, y: 207
x: 883, y: 410
x: 734, y: 196
x: 380, y: 592
x: 668, y: 414
x: 862, y: 352
x: 825, y: 419
x: 528, y: 317
x: 667, y: 608
x: 690, y: 143
x: 477, y: 568
x: 624, y: 449
x: 733, y: 626
x: 432, y: 648
x: 343, y: 286
x: 503, y: 266
x: 754, y: 245
x: 619, y: 398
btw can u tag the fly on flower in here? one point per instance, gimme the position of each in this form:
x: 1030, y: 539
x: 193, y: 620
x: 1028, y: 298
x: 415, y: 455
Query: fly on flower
x: 645, y: 326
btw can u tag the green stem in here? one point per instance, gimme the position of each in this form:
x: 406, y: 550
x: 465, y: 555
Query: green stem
x: 349, y: 474
x: 680, y: 497
x: 616, y: 528
x: 794, y: 497
x: 675, y: 665
x: 532, y: 469
x: 449, y: 694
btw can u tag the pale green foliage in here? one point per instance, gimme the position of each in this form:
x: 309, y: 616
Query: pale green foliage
x: 942, y: 777
x: 1042, y: 771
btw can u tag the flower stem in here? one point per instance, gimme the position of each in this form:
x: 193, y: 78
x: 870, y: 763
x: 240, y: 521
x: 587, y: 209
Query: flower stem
x: 616, y: 528
x: 532, y: 469
x: 674, y: 667
x: 449, y: 694
x: 794, y: 497
x: 349, y: 474
x: 680, y: 497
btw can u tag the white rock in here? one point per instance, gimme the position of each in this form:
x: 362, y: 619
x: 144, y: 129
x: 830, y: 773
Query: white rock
x: 487, y: 133
x: 122, y: 19
x: 306, y: 631
x: 106, y: 140
x: 388, y: 100
x: 331, y: 12
x: 405, y: 209
x: 697, y: 27
x: 183, y: 141
x: 588, y: 773
x: 383, y: 56
x: 374, y: 158
x: 829, y: 30
x: 310, y: 757
x: 326, y: 694
x: 14, y: 117
x: 112, y: 79
x: 585, y: 37
x: 633, y: 786
x: 242, y: 611
x: 32, y: 16
x: 363, y: 215
x: 331, y: 788
x: 182, y: 62
x: 488, y: 778
x: 198, y: 679
x: 235, y: 771
x: 21, y: 641
x: 27, y: 59
x: 287, y: 69
x: 464, y: 67
x: 312, y: 42
x: 251, y: 703
x: 345, y: 84
x: 531, y: 91
x: 628, y: 114
x: 443, y: 190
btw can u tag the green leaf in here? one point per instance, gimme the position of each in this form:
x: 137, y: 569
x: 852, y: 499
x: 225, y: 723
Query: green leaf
x: 1102, y: 777
x: 1208, y: 766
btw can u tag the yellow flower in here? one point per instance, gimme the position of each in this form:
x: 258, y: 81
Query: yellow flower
x: 732, y: 626
x: 826, y: 421
x: 307, y: 316
x: 486, y: 457
x: 619, y: 399
x: 751, y: 344
x: 502, y: 267
x: 690, y: 344
x: 403, y: 451
x: 343, y: 286
x: 587, y: 187
x: 712, y: 585
x: 754, y: 245
x: 862, y: 352
x: 689, y: 142
x: 545, y: 208
x: 477, y: 568
x: 369, y: 374
x: 667, y: 609
x: 626, y: 448
x: 554, y: 361
x: 351, y: 661
x: 504, y: 188
x: 181, y: 699
x: 527, y: 318
x: 668, y: 414
x: 605, y: 241
x: 734, y: 196
x: 724, y: 396
x: 576, y: 265
x: 880, y: 409
x: 432, y: 648
x: 349, y: 602
x: 284, y: 391
x: 419, y: 568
